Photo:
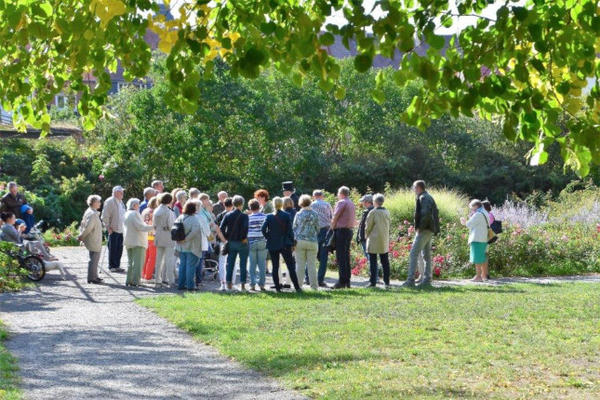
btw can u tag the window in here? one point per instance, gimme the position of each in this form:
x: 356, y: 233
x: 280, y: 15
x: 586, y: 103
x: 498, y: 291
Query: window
x: 60, y: 101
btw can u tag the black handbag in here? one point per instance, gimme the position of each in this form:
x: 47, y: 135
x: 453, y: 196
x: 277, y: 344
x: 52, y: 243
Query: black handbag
x: 496, y: 226
x: 330, y: 240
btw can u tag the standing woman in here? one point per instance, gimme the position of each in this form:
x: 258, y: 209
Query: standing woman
x: 258, y: 245
x: 190, y: 249
x: 90, y: 233
x: 135, y: 240
x: 306, y: 232
x: 163, y: 220
x: 148, y: 217
x: 235, y: 230
x: 266, y: 206
x: 478, y: 237
x: 181, y: 198
x: 277, y: 229
x: 288, y: 207
x: 377, y: 232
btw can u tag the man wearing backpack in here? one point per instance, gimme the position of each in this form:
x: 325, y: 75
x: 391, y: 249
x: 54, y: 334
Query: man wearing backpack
x: 427, y: 224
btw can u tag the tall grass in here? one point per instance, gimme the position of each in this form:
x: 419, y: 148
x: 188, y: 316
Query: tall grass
x: 401, y: 204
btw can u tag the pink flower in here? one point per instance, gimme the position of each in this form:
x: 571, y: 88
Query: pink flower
x: 437, y: 271
x: 395, y: 254
x: 101, y: 177
x: 406, y: 222
x: 598, y: 228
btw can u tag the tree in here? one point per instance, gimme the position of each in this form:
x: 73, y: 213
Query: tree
x: 527, y: 66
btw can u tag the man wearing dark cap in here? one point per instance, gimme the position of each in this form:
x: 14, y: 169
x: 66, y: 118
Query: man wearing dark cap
x: 290, y: 191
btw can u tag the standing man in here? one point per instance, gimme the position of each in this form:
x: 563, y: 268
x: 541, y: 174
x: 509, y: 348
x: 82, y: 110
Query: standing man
x: 290, y: 191
x: 427, y: 224
x: 325, y: 214
x: 367, y: 202
x: 158, y: 186
x: 219, y: 206
x: 344, y: 220
x: 148, y: 194
x: 113, y: 216
x: 12, y: 201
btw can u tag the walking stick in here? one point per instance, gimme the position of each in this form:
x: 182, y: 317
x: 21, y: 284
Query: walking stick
x: 104, y: 251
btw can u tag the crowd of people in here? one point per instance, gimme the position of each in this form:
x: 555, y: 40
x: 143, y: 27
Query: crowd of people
x: 168, y: 236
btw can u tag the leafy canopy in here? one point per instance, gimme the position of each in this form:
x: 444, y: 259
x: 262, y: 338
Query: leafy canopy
x: 526, y: 67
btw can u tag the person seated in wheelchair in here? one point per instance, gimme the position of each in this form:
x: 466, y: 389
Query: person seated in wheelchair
x: 14, y: 232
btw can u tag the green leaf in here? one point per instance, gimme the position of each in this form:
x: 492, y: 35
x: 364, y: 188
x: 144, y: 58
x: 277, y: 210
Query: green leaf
x: 326, y: 39
x: 363, y: 62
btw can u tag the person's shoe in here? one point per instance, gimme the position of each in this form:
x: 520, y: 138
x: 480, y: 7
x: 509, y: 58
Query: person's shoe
x: 278, y: 289
x: 372, y: 285
x: 253, y: 288
x: 339, y: 286
x: 96, y: 281
x: 408, y: 284
x: 299, y: 290
x: 424, y: 284
x: 222, y: 288
x: 229, y: 286
x: 348, y: 285
x: 119, y: 270
x: 262, y: 289
x: 243, y: 287
x: 388, y: 286
x: 113, y: 269
x: 323, y: 285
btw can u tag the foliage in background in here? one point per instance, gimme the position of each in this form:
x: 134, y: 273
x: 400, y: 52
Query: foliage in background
x: 252, y: 134
x: 527, y: 65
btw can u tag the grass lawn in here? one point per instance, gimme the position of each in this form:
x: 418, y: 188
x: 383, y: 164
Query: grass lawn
x: 519, y: 341
x: 8, y: 372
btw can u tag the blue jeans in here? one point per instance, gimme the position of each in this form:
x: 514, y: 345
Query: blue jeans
x: 187, y: 269
x: 237, y: 248
x: 322, y: 254
x: 258, y: 257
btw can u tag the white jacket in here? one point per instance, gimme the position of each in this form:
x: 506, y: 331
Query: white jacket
x: 478, y: 228
x: 90, y: 230
x: 163, y: 221
x: 136, y: 231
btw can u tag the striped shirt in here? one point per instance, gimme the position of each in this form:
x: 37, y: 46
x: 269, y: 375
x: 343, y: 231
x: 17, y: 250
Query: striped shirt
x: 255, y: 224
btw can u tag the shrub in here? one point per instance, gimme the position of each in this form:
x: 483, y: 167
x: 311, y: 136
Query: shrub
x: 68, y: 237
x: 11, y: 275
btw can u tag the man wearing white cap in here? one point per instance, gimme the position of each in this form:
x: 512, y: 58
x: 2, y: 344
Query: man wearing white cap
x: 113, y: 216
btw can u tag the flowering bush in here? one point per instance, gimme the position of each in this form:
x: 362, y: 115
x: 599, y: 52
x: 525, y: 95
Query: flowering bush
x: 68, y: 237
x: 561, y: 238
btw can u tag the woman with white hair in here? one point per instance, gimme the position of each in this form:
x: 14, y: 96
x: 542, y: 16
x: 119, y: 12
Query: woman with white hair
x: 377, y: 233
x: 91, y: 236
x: 180, y: 199
x: 135, y: 241
x: 478, y: 238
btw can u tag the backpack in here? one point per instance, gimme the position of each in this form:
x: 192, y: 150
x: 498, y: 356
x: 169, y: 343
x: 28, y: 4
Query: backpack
x: 178, y: 231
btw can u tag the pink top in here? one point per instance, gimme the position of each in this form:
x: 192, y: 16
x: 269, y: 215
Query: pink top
x: 492, y: 218
x: 347, y: 214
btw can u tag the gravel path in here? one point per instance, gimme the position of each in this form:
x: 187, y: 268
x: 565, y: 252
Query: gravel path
x: 79, y: 341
